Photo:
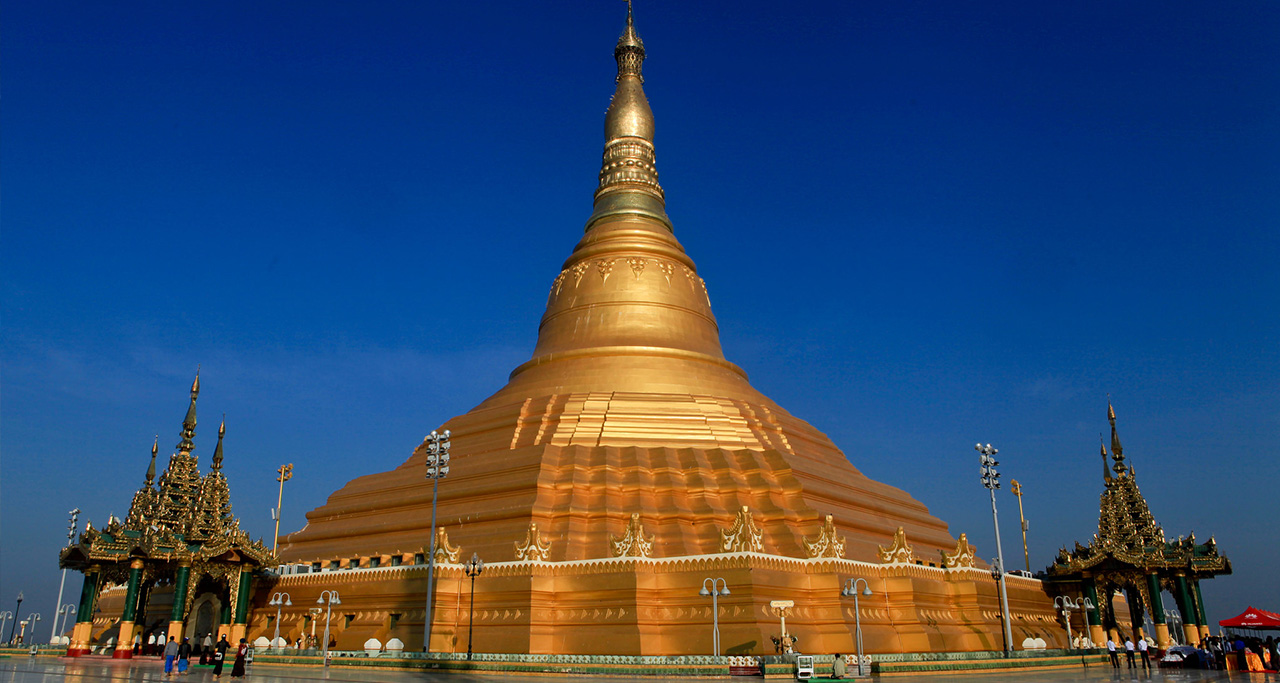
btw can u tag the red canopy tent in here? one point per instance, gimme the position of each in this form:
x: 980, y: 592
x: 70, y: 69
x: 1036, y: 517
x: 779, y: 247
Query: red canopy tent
x: 1253, y: 618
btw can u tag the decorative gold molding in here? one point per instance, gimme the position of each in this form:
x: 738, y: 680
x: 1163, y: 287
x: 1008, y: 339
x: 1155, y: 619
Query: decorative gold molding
x: 962, y: 556
x: 743, y: 536
x: 827, y: 544
x: 445, y: 553
x: 898, y: 551
x: 633, y: 543
x: 534, y: 548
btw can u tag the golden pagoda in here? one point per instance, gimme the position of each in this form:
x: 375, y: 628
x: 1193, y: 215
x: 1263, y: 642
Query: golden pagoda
x: 624, y: 463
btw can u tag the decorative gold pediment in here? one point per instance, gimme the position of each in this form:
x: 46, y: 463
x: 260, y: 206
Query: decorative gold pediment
x: 445, y: 553
x: 633, y: 543
x: 962, y: 556
x: 899, y: 551
x: 534, y: 548
x: 743, y: 536
x: 827, y: 544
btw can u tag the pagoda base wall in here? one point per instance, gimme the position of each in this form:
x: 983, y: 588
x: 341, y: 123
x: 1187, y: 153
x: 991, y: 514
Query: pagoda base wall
x: 641, y: 606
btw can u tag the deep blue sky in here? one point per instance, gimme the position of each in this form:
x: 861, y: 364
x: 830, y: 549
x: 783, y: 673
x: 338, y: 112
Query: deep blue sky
x: 922, y: 225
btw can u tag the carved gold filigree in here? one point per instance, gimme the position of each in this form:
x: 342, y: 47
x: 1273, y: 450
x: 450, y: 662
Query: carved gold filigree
x: 898, y: 551
x: 827, y: 544
x: 633, y: 543
x: 743, y: 536
x: 962, y: 556
x: 445, y: 553
x: 637, y: 265
x: 534, y: 548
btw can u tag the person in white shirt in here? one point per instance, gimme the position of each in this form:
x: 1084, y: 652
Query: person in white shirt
x: 1146, y: 657
x: 1128, y: 651
x: 1111, y: 651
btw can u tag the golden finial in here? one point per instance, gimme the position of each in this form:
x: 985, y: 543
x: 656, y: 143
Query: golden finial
x: 195, y: 385
x: 189, y: 422
x: 151, y: 469
x: 217, y: 451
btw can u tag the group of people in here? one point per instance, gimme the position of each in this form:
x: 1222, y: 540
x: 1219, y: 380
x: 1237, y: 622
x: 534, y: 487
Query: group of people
x: 177, y: 656
x: 1251, y: 654
x: 1131, y: 651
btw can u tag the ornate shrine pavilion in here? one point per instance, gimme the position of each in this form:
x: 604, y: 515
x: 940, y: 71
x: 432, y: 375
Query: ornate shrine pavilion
x: 1130, y: 553
x: 179, y: 536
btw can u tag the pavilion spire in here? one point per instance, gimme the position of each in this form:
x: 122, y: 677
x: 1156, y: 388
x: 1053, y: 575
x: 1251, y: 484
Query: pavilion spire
x: 1117, y: 451
x: 189, y: 422
x: 151, y: 469
x: 217, y: 451
x: 628, y: 172
x: 1106, y: 471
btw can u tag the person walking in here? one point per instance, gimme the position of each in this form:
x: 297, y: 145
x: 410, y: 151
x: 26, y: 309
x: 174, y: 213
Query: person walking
x: 237, y: 670
x: 1111, y: 652
x: 220, y: 656
x: 206, y: 648
x: 1128, y: 651
x: 1146, y: 656
x: 184, y: 656
x: 170, y: 653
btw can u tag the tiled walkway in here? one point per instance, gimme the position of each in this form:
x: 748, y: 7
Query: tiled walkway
x: 43, y: 670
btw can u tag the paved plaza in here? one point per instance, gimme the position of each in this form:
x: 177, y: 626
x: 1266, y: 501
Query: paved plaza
x: 27, y: 670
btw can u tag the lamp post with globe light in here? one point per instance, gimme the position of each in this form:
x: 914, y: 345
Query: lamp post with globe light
x: 64, y: 613
x: 328, y: 599
x: 4, y: 617
x: 714, y: 592
x: 279, y: 600
x: 851, y: 590
x: 991, y: 481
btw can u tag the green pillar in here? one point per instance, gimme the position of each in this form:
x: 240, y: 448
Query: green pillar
x: 1157, y: 604
x: 1195, y: 593
x: 242, y: 598
x: 180, y: 593
x: 224, y: 618
x: 1091, y: 592
x: 88, y: 596
x: 131, y: 597
x: 1184, y: 600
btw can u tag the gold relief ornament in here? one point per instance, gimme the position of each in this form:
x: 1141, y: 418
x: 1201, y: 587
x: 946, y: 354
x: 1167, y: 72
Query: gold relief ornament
x: 962, y: 556
x: 633, y: 543
x: 534, y: 548
x: 445, y: 553
x: 827, y: 544
x: 899, y: 551
x: 743, y: 536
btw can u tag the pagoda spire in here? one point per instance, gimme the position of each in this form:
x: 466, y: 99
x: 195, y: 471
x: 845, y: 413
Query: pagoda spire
x: 1117, y: 451
x: 217, y: 451
x: 1106, y: 471
x: 189, y: 422
x: 151, y: 469
x: 628, y: 172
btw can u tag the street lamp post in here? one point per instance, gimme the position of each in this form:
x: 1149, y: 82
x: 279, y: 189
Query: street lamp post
x: 32, y: 619
x: 1016, y: 488
x: 71, y: 537
x: 473, y: 567
x: 4, y: 617
x: 279, y: 600
x: 1174, y: 617
x: 328, y: 599
x: 714, y: 592
x: 16, y: 611
x: 64, y: 612
x: 1066, y: 604
x: 991, y: 480
x: 437, y: 469
x: 851, y: 590
x: 283, y: 473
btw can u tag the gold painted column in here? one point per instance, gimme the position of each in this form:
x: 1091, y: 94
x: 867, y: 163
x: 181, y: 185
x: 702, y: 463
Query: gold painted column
x: 1186, y: 606
x: 1094, y: 616
x: 1204, y: 618
x: 178, y: 615
x: 1157, y: 612
x: 240, y: 626
x: 124, y: 641
x: 82, y: 634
